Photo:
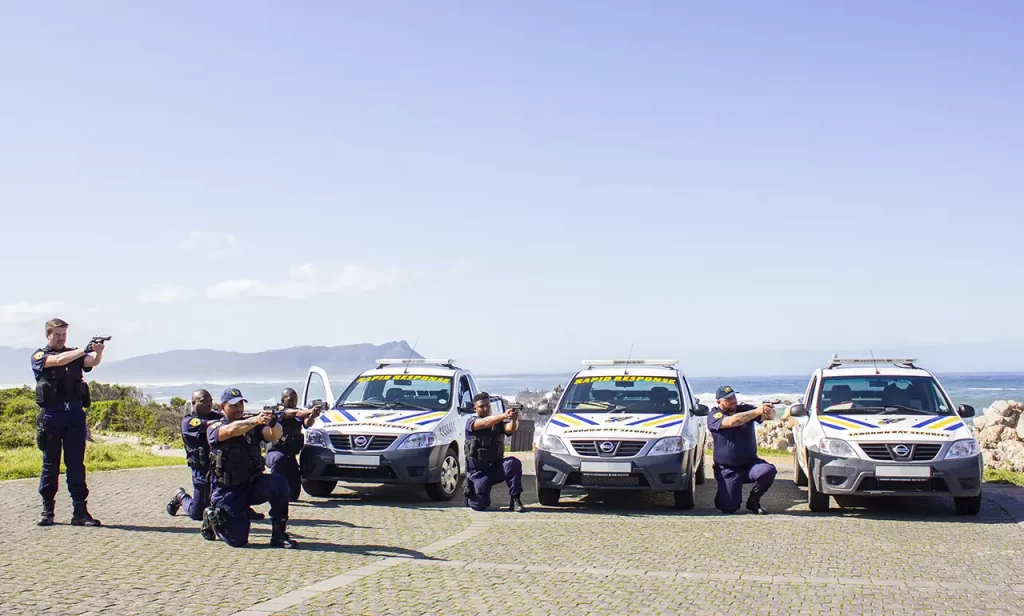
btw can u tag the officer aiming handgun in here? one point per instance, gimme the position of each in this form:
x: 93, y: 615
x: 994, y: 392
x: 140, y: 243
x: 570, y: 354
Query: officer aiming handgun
x: 485, y: 455
x: 282, y: 454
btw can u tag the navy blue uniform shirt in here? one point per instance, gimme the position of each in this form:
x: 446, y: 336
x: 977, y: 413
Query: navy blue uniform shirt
x: 469, y: 427
x: 193, y: 429
x: 733, y: 446
x: 39, y: 358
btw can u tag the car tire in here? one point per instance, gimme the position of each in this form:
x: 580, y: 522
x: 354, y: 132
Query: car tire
x: 684, y: 498
x: 548, y: 496
x: 318, y: 487
x: 816, y: 501
x: 968, y: 505
x: 699, y: 473
x: 447, y: 485
x: 799, y: 478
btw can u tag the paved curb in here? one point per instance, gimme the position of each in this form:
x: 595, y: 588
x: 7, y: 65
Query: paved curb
x: 480, y: 522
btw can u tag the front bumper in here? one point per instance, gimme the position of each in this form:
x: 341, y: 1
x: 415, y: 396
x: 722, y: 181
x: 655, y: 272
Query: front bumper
x: 856, y: 477
x: 561, y: 471
x: 420, y: 465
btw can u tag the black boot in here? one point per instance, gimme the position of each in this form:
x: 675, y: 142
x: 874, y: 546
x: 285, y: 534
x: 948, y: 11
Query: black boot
x: 46, y: 519
x: 254, y: 515
x: 754, y: 506
x: 516, y: 505
x: 80, y: 515
x: 175, y: 504
x: 206, y: 529
x: 279, y: 538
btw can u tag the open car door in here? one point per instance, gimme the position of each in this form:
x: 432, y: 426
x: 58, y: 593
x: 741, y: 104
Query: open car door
x: 317, y: 387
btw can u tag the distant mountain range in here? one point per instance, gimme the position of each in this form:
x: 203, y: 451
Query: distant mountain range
x: 204, y: 365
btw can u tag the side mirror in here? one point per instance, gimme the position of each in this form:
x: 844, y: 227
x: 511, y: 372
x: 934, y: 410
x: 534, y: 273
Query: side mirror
x: 466, y: 408
x: 966, y: 410
x: 701, y: 410
x: 798, y: 410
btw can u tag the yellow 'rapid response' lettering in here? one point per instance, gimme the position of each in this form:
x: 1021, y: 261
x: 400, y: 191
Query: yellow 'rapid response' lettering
x: 405, y: 377
x: 623, y: 377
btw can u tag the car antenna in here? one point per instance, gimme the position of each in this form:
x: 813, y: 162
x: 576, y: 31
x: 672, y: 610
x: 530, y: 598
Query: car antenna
x: 629, y: 357
x: 873, y: 359
x: 411, y: 352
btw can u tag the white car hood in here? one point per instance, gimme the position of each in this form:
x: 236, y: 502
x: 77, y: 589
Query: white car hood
x: 378, y: 421
x: 878, y: 428
x: 611, y: 425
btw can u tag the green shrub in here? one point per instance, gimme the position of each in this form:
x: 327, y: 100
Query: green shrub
x: 14, y: 435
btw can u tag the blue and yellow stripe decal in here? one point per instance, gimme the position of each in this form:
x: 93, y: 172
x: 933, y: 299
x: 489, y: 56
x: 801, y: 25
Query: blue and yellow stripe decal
x: 949, y: 423
x: 566, y: 420
x: 838, y: 422
x: 339, y: 416
x: 420, y: 419
x: 658, y: 421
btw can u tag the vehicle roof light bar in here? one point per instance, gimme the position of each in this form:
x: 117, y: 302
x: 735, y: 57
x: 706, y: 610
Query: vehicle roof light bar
x: 630, y: 362
x: 448, y: 363
x: 900, y: 361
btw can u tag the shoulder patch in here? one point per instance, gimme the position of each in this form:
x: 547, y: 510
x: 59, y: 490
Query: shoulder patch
x: 195, y: 421
x: 718, y: 415
x: 38, y: 355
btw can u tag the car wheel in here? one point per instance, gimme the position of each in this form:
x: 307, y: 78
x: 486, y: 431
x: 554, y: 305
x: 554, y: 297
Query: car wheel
x: 684, y: 498
x: 699, y: 473
x: 317, y: 487
x: 968, y: 505
x: 799, y: 478
x: 445, y: 487
x: 816, y: 501
x: 548, y: 496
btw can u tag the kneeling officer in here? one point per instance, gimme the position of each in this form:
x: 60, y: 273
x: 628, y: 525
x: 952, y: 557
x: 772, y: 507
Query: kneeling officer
x: 485, y: 456
x: 736, y: 462
x: 238, y: 479
x: 282, y: 455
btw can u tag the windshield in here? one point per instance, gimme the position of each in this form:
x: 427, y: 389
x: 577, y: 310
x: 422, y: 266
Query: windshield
x: 882, y: 394
x: 413, y: 391
x: 620, y: 394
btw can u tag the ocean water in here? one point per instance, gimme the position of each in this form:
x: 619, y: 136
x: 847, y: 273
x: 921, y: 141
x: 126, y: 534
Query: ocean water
x: 978, y: 390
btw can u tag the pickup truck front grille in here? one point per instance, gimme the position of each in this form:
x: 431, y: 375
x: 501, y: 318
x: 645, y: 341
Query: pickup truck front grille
x: 352, y: 442
x: 619, y: 449
x: 918, y: 452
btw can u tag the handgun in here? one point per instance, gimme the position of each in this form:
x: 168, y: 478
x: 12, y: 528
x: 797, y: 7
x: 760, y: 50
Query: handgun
x: 96, y: 340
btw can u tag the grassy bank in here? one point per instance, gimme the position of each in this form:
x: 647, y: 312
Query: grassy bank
x: 998, y: 476
x: 28, y: 461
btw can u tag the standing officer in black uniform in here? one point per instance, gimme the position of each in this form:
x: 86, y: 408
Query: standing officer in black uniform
x: 485, y: 456
x: 237, y: 463
x: 282, y: 454
x: 63, y: 395
x: 736, y: 461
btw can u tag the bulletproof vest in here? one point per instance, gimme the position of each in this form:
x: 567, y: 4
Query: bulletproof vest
x: 238, y: 460
x: 199, y: 457
x: 292, y: 440
x: 60, y: 384
x: 486, y: 447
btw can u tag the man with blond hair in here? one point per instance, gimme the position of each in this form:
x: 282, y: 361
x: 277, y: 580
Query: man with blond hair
x: 62, y: 394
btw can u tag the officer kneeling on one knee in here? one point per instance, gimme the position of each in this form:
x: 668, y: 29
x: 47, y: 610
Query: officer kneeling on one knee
x: 735, y: 443
x: 237, y: 475
x: 282, y: 454
x: 485, y: 456
x: 62, y: 395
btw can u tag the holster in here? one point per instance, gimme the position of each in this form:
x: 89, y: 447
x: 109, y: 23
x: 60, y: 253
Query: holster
x: 41, y: 430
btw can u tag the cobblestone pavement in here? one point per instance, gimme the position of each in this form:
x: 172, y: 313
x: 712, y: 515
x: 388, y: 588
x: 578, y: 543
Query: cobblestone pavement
x: 388, y: 550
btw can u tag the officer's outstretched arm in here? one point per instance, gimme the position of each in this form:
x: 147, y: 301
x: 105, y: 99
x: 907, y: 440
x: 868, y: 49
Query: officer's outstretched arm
x: 482, y: 423
x: 235, y: 428
x: 61, y: 359
x: 272, y: 434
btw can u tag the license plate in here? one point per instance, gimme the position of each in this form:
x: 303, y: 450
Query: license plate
x: 622, y: 468
x: 904, y: 472
x: 346, y: 460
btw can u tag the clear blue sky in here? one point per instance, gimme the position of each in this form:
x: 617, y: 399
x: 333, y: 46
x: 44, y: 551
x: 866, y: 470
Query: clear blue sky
x: 520, y: 187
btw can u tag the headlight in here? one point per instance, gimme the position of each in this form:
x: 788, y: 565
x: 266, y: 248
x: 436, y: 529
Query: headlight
x: 550, y: 442
x: 963, y: 449
x: 420, y: 439
x: 672, y: 444
x: 316, y: 437
x: 836, y: 447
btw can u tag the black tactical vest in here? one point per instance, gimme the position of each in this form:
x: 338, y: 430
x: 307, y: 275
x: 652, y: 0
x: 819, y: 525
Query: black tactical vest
x: 61, y: 384
x: 486, y: 447
x: 238, y: 460
x: 199, y: 457
x: 292, y: 440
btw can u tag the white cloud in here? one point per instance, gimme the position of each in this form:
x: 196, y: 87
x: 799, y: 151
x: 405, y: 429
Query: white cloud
x: 23, y: 313
x: 211, y: 244
x: 307, y: 281
x: 160, y: 294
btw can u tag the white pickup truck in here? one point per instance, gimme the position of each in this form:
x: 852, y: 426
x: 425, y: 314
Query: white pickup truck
x: 401, y: 422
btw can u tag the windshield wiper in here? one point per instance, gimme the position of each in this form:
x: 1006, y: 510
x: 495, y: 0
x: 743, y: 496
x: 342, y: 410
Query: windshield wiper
x: 892, y: 408
x: 373, y: 405
x: 612, y: 408
x: 408, y: 406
